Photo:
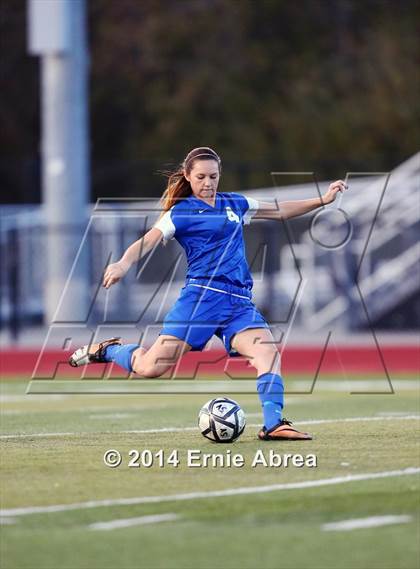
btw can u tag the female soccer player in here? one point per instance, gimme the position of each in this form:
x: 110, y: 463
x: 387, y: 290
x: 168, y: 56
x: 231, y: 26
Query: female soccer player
x: 216, y: 298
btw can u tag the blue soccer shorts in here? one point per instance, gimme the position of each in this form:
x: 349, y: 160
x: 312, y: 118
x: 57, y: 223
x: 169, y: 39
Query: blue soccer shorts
x: 211, y: 308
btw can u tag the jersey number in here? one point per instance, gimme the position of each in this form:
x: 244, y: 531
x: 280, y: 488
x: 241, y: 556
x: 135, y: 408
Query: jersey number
x: 232, y: 215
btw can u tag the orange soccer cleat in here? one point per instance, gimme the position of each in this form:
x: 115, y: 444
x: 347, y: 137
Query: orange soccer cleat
x: 283, y: 431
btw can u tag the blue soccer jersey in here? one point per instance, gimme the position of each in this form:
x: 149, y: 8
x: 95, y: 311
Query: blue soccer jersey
x: 212, y: 237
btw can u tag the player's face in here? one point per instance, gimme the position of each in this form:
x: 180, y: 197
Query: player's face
x: 204, y: 179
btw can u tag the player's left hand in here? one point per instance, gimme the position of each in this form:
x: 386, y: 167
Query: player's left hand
x: 333, y: 189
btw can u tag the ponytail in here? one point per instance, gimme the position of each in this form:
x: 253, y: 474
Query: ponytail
x: 178, y: 187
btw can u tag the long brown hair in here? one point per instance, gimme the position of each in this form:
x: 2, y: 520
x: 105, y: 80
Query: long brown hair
x: 178, y: 186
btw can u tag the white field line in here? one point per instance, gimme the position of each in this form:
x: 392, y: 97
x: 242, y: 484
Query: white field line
x: 130, y: 522
x: 377, y: 417
x: 4, y: 398
x: 28, y: 436
x: 94, y: 411
x: 185, y: 429
x: 296, y: 387
x: 85, y: 433
x: 357, y: 419
x: 212, y: 494
x: 124, y: 415
x: 7, y: 521
x: 360, y: 523
x: 394, y: 414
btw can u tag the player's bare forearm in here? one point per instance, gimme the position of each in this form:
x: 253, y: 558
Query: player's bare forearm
x: 295, y: 208
x: 140, y: 248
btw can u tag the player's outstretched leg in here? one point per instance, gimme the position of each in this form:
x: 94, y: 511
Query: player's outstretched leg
x: 154, y: 362
x: 257, y: 344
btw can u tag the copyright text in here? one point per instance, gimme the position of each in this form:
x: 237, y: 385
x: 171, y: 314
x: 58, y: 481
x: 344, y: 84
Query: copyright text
x: 196, y: 458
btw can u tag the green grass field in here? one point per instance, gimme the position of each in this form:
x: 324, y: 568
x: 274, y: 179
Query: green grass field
x: 52, y: 455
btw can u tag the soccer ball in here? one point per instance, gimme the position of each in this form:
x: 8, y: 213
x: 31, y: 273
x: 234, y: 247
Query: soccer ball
x: 221, y: 420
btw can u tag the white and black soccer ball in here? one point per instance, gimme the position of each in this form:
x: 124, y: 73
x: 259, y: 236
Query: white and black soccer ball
x: 221, y: 420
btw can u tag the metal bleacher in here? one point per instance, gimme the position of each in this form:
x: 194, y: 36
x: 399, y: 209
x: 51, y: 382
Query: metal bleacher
x: 376, y: 269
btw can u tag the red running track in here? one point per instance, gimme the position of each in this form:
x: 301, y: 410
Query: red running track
x: 341, y: 360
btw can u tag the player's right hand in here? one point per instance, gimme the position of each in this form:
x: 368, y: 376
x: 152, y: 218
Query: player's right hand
x: 113, y: 274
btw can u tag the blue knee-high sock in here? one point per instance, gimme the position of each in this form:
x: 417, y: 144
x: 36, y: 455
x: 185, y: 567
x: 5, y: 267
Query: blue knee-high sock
x: 271, y: 393
x: 121, y: 355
